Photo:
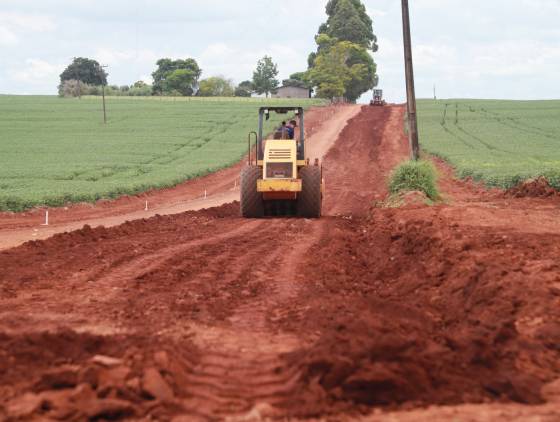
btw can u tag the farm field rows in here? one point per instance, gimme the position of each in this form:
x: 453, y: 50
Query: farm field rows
x: 54, y: 151
x: 498, y: 142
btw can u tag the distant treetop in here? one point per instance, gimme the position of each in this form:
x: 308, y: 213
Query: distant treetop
x: 84, y: 70
x: 176, y: 76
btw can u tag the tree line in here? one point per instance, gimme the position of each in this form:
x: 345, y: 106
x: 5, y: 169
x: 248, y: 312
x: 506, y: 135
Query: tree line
x: 341, y: 67
x: 180, y: 77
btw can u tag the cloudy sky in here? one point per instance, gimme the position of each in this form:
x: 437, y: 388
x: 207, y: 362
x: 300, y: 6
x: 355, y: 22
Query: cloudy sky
x: 474, y: 49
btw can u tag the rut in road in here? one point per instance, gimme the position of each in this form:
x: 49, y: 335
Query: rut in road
x: 241, y: 365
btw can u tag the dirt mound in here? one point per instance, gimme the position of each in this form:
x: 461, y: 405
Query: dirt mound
x: 532, y: 188
x: 74, y: 376
x: 427, y: 312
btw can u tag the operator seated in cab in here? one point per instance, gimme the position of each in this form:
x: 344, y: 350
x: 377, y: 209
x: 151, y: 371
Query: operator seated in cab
x: 286, y: 131
x: 282, y: 132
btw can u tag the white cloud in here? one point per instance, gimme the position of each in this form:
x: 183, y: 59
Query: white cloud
x: 376, y: 12
x: 111, y: 56
x: 15, y: 25
x: 433, y: 55
x: 147, y: 79
x: 27, y: 22
x: 7, y: 37
x: 239, y: 63
x: 37, y: 71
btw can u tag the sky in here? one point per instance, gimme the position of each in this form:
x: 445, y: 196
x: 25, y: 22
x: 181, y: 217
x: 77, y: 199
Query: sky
x: 506, y: 49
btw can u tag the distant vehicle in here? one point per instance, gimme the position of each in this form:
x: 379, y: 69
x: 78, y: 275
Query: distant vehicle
x: 377, y: 98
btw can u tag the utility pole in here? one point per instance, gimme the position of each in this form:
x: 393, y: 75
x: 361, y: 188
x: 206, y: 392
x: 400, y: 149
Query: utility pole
x: 410, y: 93
x: 101, y: 75
x: 435, y: 96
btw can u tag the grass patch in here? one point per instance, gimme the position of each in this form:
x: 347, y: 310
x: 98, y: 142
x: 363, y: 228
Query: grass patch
x: 500, y: 143
x: 415, y: 176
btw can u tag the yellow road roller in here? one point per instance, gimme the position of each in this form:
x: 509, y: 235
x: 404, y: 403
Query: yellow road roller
x: 280, y: 181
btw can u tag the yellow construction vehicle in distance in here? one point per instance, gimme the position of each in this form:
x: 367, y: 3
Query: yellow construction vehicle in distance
x: 280, y: 180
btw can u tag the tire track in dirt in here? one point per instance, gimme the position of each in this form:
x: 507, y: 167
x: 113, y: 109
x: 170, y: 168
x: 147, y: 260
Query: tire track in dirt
x: 241, y: 370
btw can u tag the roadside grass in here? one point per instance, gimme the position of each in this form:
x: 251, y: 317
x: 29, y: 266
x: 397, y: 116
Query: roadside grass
x: 500, y: 143
x: 54, y: 151
x: 412, y: 176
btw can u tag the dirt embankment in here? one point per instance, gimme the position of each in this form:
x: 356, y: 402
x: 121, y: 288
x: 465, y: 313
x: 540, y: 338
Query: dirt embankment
x: 206, y: 316
x: 428, y: 312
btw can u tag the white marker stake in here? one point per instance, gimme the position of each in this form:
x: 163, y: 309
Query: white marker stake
x: 146, y: 207
x: 46, y: 218
x: 235, y: 183
x: 205, y: 194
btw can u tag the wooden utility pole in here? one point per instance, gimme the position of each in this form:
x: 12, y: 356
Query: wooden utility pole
x: 410, y: 93
x: 103, y: 93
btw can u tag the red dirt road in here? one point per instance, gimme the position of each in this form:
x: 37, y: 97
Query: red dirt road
x: 323, y: 125
x: 368, y: 313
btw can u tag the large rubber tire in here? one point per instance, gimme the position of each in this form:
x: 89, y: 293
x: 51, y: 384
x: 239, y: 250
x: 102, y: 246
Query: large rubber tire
x: 252, y: 205
x: 310, y: 198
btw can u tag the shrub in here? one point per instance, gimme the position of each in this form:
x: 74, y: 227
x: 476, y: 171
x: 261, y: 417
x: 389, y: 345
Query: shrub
x: 415, y: 176
x: 73, y: 88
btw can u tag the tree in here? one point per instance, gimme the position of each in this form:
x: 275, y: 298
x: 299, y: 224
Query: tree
x: 216, y: 86
x: 348, y: 21
x: 139, y: 84
x: 344, y: 41
x: 333, y: 72
x: 84, y: 70
x: 73, y: 88
x: 264, y: 77
x: 140, y: 90
x: 180, y: 82
x: 244, y: 89
x: 176, y: 76
x: 368, y: 80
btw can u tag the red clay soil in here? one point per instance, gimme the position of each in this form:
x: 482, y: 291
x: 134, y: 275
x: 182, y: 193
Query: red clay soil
x: 206, y: 316
x: 533, y: 188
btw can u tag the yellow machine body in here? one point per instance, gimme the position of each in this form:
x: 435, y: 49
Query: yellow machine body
x: 280, y: 170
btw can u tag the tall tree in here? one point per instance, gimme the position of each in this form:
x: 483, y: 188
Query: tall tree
x: 367, y: 80
x: 84, y: 70
x: 333, y: 71
x: 264, y: 77
x: 348, y: 22
x: 176, y: 76
x: 216, y: 86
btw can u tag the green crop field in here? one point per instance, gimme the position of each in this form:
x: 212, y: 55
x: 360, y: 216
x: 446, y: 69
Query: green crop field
x: 498, y: 142
x: 54, y: 150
